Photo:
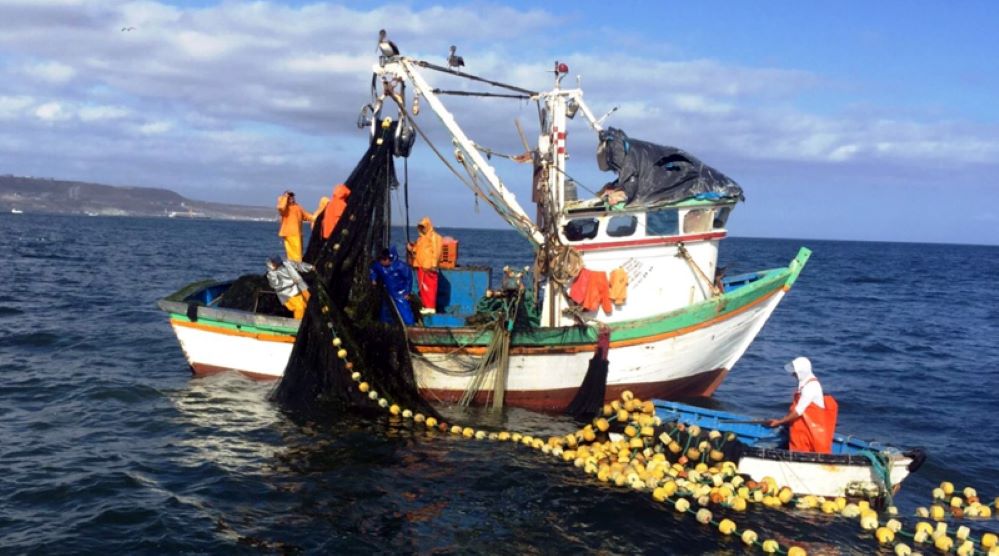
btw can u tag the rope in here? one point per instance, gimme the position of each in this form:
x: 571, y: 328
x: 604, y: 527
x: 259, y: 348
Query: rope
x: 522, y: 224
x: 473, y: 186
x: 491, y: 358
x: 697, y: 270
x: 882, y: 468
x: 405, y: 193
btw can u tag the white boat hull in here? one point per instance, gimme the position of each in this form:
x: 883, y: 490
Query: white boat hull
x: 684, y: 365
x: 690, y: 364
x: 211, y: 350
x: 855, y: 480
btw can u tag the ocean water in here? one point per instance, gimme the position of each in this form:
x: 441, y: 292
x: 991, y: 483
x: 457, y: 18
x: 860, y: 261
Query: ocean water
x: 108, y: 445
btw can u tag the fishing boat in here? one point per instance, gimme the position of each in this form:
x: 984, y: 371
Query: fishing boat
x: 679, y: 331
x: 854, y: 468
x: 16, y: 211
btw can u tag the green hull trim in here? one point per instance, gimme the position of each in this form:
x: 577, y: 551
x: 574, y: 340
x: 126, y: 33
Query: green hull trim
x: 273, y: 330
x: 691, y: 316
x: 685, y: 317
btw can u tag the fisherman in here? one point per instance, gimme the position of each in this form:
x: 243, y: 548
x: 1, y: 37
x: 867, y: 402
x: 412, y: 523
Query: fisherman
x: 288, y: 284
x: 397, y: 278
x: 334, y: 209
x: 426, y: 255
x: 292, y: 215
x: 812, y: 416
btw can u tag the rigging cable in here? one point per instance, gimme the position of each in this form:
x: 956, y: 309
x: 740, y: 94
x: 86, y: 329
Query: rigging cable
x: 405, y: 192
x: 442, y: 69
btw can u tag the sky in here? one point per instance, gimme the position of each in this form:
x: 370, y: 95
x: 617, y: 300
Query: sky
x: 848, y: 120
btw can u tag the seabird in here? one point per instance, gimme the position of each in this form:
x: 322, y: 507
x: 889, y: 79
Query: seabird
x: 453, y: 60
x: 387, y: 47
x: 127, y: 29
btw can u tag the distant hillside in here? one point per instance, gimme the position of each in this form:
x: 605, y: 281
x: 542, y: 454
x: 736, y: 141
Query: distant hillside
x: 39, y: 195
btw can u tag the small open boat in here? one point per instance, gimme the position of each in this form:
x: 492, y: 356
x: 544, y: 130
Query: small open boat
x: 855, y: 468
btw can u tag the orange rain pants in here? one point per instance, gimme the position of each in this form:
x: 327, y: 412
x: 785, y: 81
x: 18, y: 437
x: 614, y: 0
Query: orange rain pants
x: 813, y: 431
x: 297, y: 304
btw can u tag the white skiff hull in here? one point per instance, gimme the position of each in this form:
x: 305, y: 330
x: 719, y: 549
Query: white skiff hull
x: 857, y: 479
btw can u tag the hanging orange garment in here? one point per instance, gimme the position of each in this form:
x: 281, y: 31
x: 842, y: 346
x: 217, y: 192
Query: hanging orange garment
x: 334, y: 209
x: 618, y: 286
x: 813, y: 431
x: 292, y: 216
x: 598, y: 293
x: 578, y: 291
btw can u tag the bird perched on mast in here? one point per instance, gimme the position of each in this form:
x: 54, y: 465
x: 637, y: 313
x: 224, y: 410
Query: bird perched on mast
x: 387, y: 47
x: 453, y: 60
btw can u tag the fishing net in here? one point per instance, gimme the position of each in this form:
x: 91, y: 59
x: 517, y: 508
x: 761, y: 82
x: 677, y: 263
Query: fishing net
x: 253, y: 293
x: 344, y: 306
x: 522, y: 308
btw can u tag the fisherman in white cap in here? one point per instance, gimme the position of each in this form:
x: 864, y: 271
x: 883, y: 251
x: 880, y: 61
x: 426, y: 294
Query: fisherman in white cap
x: 812, y: 415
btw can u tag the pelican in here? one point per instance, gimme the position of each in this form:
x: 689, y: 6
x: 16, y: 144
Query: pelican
x: 387, y: 47
x: 453, y: 60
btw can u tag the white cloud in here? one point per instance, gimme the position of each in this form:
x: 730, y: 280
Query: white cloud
x: 51, y: 112
x: 103, y: 112
x: 195, y: 79
x: 52, y: 72
x: 205, y: 46
x: 13, y: 106
x: 155, y: 128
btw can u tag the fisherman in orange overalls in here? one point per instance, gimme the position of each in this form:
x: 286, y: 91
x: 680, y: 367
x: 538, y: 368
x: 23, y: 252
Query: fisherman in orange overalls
x: 426, y: 257
x: 812, y: 416
x: 292, y: 215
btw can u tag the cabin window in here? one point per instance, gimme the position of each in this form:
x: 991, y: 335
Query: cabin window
x: 580, y: 229
x: 622, y: 225
x: 721, y: 217
x: 662, y: 223
x: 698, y: 220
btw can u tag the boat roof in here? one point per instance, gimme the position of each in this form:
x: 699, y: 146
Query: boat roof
x: 595, y: 205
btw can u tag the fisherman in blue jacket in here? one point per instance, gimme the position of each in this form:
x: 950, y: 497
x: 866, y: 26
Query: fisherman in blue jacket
x: 397, y: 277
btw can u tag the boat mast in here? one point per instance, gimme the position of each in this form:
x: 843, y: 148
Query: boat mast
x: 560, y: 105
x: 504, y: 201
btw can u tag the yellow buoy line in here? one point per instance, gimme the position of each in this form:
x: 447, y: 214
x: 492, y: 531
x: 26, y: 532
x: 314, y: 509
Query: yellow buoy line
x: 638, y: 459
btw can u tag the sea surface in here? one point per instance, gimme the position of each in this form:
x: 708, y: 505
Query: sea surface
x: 108, y: 445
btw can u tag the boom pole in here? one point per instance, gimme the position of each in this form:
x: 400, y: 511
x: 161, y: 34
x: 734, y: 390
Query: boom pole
x: 504, y: 201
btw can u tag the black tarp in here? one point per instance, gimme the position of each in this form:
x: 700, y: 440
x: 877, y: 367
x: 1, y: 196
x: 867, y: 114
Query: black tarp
x: 654, y: 174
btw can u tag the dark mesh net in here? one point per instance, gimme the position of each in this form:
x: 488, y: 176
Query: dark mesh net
x: 345, y: 304
x: 251, y: 292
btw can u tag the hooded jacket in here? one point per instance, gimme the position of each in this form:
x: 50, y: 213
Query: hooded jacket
x: 817, y: 413
x: 809, y: 390
x: 334, y: 209
x: 292, y: 215
x: 286, y: 280
x: 398, y: 281
x: 428, y: 248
